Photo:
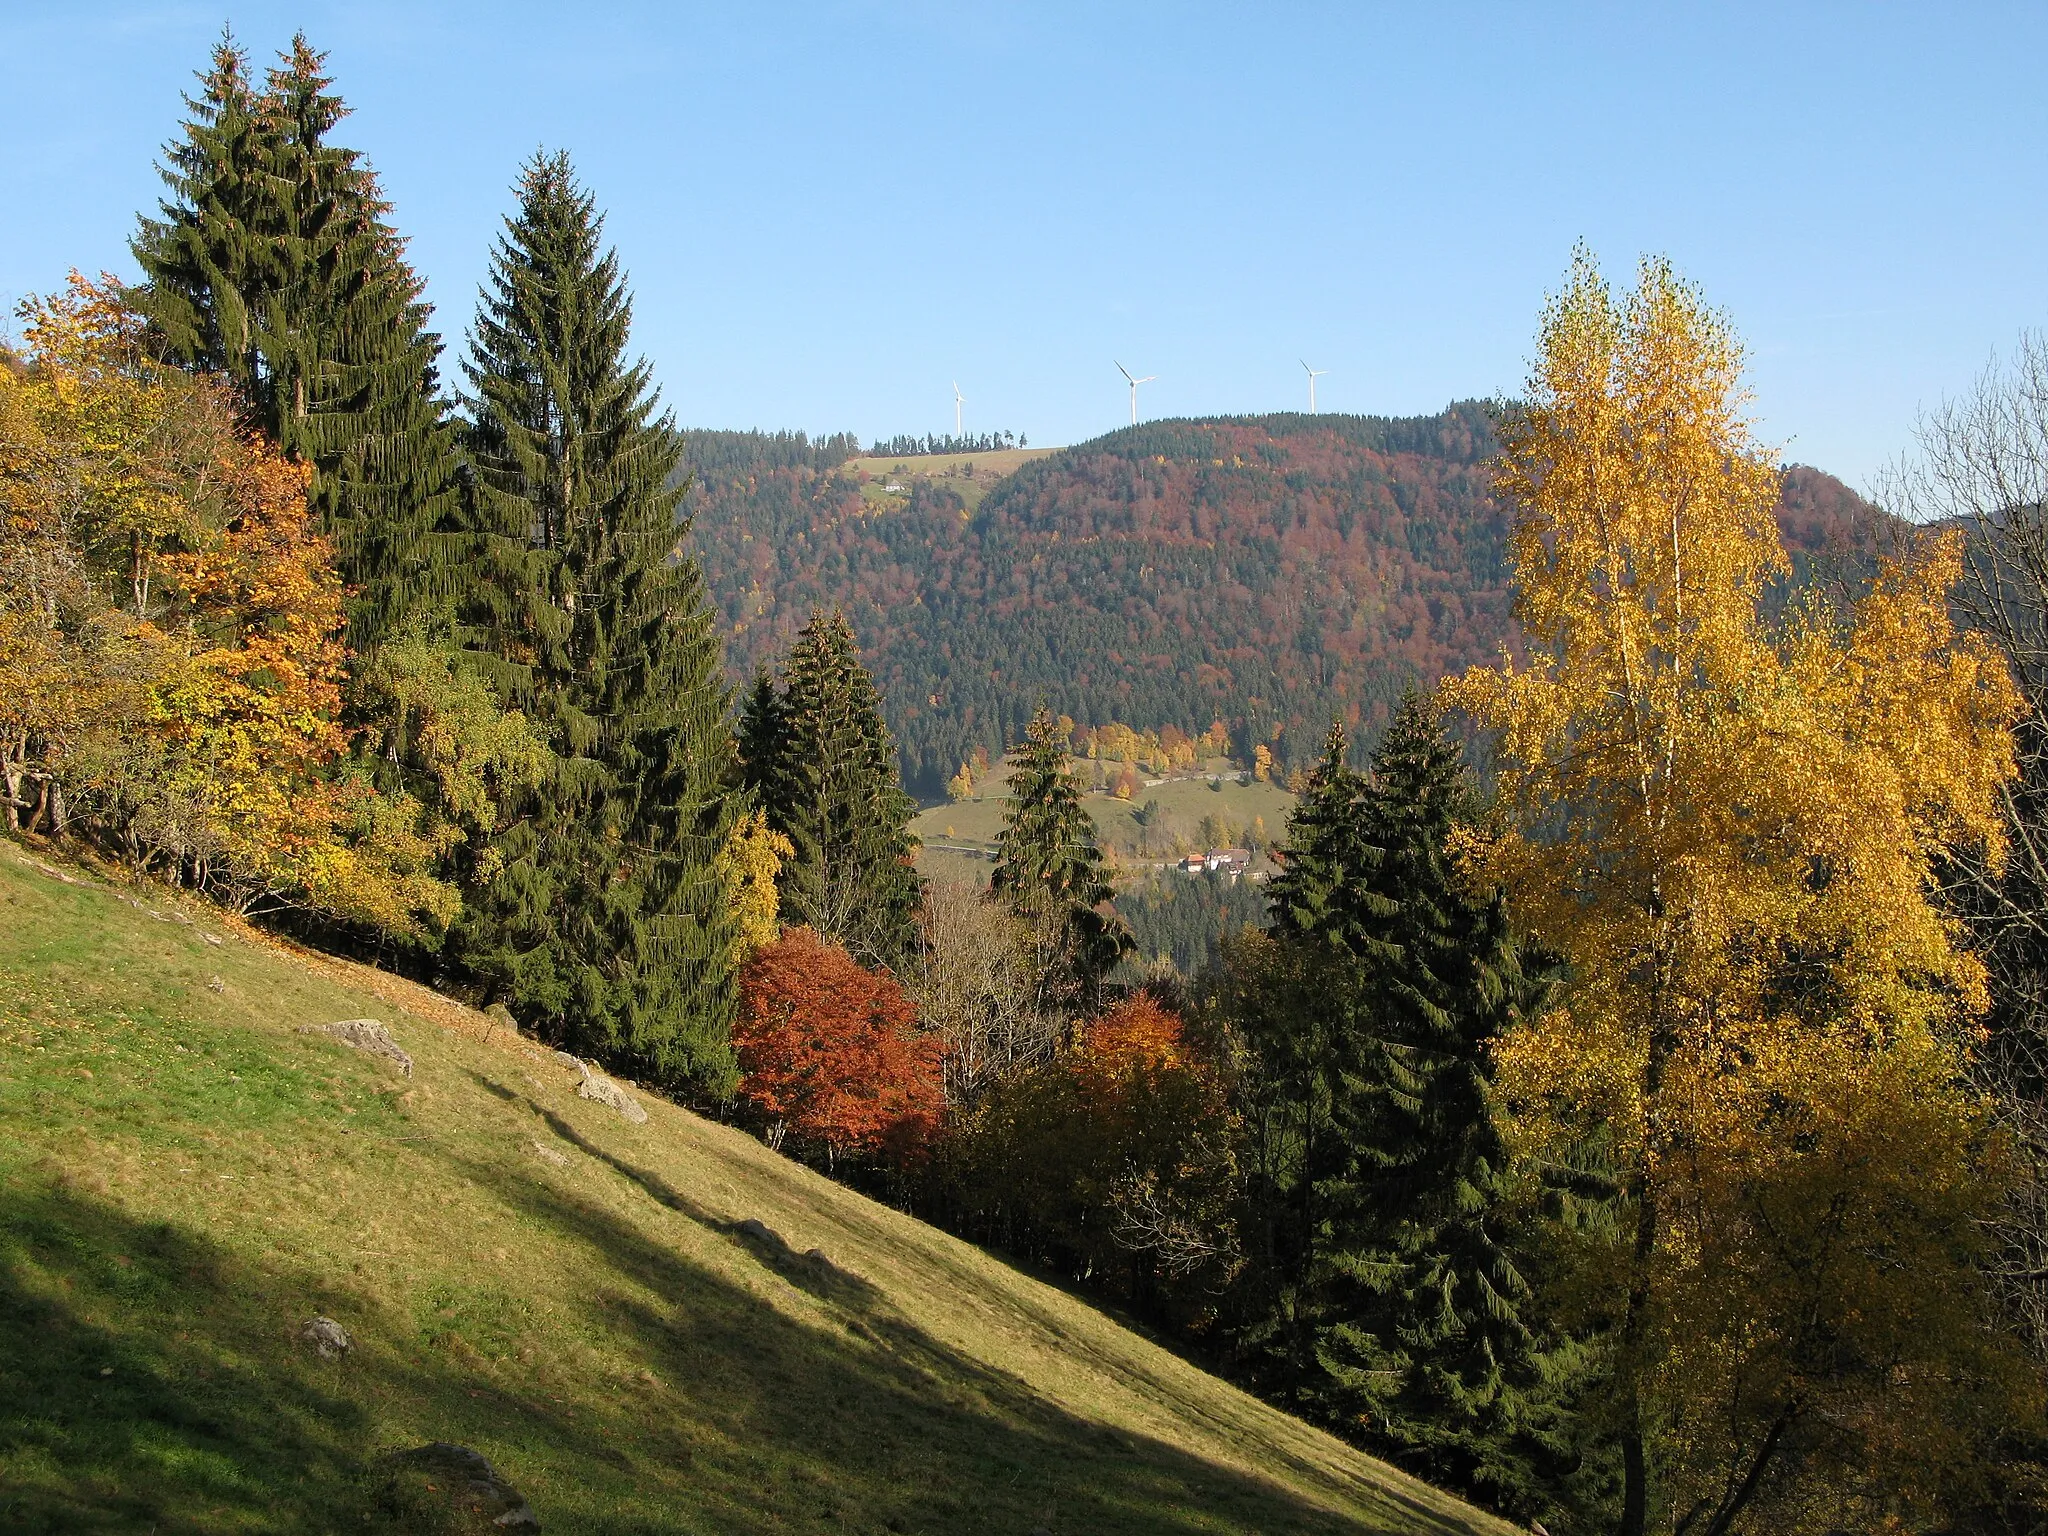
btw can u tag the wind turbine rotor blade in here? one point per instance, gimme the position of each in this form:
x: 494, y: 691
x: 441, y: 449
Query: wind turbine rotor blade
x: 1120, y: 368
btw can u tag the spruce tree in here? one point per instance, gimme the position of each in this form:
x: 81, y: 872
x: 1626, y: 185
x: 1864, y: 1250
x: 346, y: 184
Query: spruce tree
x: 818, y: 757
x: 1427, y: 1325
x: 1398, y: 1298
x: 760, y: 735
x: 1049, y: 866
x: 206, y: 260
x: 1318, y: 892
x: 606, y: 923
x: 275, y: 263
x: 1307, y: 1026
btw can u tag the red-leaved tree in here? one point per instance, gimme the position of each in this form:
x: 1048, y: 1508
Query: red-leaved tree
x: 828, y: 1054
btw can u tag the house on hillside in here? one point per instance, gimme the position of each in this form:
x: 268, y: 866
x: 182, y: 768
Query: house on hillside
x: 1229, y: 861
x: 1193, y: 864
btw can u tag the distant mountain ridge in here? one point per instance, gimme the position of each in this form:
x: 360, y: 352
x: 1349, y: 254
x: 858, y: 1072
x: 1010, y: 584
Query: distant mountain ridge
x: 1271, y: 571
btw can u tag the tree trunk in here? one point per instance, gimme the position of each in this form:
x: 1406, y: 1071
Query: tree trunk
x: 1635, y: 1469
x: 1635, y: 1461
x: 1635, y: 1474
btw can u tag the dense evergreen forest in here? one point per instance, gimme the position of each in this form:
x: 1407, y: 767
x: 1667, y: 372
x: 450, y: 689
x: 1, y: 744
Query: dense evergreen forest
x: 1182, y: 920
x: 1276, y: 572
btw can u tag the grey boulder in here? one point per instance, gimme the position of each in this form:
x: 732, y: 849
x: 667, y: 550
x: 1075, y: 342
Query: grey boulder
x: 467, y: 1483
x: 602, y: 1090
x: 329, y: 1339
x: 364, y: 1035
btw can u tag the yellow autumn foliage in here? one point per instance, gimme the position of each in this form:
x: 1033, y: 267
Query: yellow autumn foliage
x: 747, y: 865
x: 170, y: 636
x: 1730, y: 828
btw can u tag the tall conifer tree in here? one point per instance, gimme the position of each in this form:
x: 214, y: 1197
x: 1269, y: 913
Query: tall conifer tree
x: 607, y: 923
x: 1405, y: 1302
x: 274, y: 261
x: 818, y: 756
x: 1309, y: 1031
x: 1049, y: 865
x: 1429, y: 1329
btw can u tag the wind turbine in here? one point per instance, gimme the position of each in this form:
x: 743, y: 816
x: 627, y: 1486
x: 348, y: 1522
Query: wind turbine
x: 1120, y: 368
x: 1313, y: 375
x: 958, y: 400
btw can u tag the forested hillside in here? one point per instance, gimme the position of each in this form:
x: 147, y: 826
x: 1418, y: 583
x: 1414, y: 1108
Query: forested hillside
x: 1272, y: 571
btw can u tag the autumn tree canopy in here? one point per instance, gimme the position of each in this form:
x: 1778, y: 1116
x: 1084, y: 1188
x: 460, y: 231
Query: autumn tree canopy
x: 1729, y: 830
x: 171, y: 659
x: 829, y: 1055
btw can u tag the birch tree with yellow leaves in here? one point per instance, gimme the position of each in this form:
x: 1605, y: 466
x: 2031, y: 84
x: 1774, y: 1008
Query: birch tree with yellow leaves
x: 1730, y: 827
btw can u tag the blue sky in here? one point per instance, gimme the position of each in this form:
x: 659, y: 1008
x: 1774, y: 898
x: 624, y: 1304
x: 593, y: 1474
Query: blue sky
x: 830, y: 212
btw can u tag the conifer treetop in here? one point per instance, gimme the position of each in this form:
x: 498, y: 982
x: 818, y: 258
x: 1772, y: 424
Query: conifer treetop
x: 1048, y: 862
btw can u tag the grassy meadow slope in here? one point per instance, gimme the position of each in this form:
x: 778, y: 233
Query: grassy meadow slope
x: 185, y: 1178
x: 886, y: 481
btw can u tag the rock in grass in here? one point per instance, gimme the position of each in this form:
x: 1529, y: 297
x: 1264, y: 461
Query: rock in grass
x: 365, y: 1035
x: 329, y: 1339
x: 759, y: 1231
x: 548, y: 1154
x: 501, y: 1018
x: 602, y: 1090
x: 463, y: 1482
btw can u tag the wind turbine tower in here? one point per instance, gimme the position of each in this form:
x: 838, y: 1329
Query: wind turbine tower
x: 1313, y: 375
x: 958, y: 400
x: 1134, y: 383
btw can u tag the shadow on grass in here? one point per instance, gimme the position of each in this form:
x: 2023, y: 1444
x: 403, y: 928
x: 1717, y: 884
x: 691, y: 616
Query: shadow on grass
x: 810, y: 1271
x: 893, y: 1420
x: 149, y: 1380
x: 139, y: 1391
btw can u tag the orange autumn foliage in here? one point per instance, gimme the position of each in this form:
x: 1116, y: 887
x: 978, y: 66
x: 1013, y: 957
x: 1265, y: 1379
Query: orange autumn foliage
x: 171, y: 660
x: 1733, y: 828
x: 828, y: 1055
x: 1116, y: 1156
x: 1136, y: 1035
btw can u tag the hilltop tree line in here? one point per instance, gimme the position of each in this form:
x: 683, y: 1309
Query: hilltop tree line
x: 709, y: 455
x: 904, y: 446
x: 1648, y: 1140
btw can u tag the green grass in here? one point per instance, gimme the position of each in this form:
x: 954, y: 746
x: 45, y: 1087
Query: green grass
x: 1181, y: 806
x: 971, y: 476
x: 184, y: 1179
